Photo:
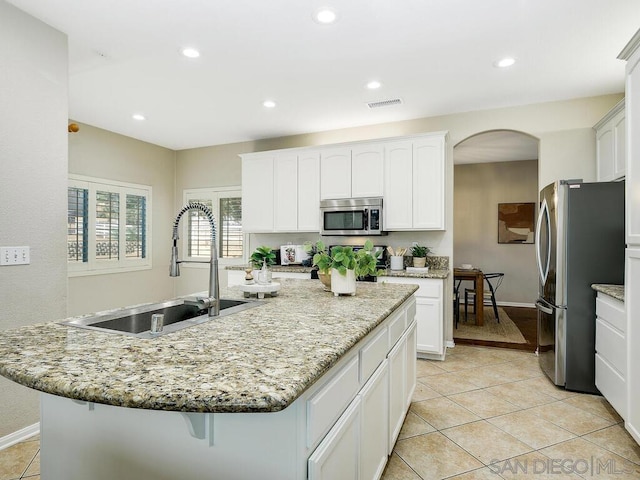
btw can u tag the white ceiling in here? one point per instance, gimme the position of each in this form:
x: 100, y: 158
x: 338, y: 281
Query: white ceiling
x: 436, y: 55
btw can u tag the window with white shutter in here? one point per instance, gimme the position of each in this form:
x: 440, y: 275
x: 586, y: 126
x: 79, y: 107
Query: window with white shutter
x: 107, y: 226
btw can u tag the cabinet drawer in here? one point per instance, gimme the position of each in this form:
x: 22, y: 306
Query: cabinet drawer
x: 430, y: 288
x: 326, y: 405
x: 396, y: 327
x: 373, y: 354
x: 612, y: 311
x: 611, y: 345
x: 611, y: 385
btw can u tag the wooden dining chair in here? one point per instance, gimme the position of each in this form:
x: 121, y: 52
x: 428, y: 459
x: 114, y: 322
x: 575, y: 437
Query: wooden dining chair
x: 494, y: 280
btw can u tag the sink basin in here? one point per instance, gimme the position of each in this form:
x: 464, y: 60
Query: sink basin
x: 136, y: 321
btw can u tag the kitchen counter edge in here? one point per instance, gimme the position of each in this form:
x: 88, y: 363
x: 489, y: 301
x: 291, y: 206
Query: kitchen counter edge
x: 615, y: 291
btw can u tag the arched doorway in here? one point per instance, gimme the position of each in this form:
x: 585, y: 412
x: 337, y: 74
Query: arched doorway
x: 497, y: 170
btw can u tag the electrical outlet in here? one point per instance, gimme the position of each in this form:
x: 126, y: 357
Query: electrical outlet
x: 14, y: 256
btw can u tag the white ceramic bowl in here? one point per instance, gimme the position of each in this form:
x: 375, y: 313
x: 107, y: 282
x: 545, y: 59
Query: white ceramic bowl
x: 466, y: 266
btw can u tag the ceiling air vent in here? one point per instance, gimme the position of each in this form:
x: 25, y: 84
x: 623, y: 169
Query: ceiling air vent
x: 384, y: 103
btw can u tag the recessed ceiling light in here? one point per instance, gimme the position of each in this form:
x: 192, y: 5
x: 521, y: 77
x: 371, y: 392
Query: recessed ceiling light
x: 138, y: 116
x: 190, y: 52
x: 505, y: 62
x: 269, y: 103
x: 325, y: 15
x: 373, y: 85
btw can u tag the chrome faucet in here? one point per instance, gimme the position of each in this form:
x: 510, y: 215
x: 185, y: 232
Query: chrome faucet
x: 213, y: 302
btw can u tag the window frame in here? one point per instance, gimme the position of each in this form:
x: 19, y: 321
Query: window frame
x: 122, y: 264
x: 214, y: 194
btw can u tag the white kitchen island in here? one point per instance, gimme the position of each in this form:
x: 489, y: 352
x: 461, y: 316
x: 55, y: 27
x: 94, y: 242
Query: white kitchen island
x: 306, y: 386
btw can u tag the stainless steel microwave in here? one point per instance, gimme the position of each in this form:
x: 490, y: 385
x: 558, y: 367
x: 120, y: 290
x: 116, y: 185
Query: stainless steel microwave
x: 351, y: 216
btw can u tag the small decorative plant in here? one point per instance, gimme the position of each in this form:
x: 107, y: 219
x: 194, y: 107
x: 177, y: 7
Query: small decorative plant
x: 262, y: 254
x: 419, y: 254
x: 419, y: 251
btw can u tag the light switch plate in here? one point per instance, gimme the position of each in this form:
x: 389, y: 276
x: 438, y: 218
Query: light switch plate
x: 14, y: 256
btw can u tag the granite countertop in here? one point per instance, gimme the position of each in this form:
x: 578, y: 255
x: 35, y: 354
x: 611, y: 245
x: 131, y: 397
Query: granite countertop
x: 432, y: 273
x: 257, y: 360
x: 615, y: 291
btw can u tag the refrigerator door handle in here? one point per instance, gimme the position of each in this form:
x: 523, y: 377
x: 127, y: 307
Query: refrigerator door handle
x: 543, y: 308
x: 543, y: 270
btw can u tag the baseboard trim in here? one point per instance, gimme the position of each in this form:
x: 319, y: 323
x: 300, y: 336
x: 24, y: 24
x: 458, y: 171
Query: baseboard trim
x: 19, y: 436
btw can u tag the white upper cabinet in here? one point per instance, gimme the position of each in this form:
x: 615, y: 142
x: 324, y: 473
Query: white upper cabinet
x: 352, y: 172
x: 398, y: 186
x: 257, y: 193
x: 414, y: 184
x: 335, y: 173
x: 611, y: 145
x: 281, y: 192
x: 367, y: 167
x: 282, y: 189
x: 285, y: 200
x: 309, y: 191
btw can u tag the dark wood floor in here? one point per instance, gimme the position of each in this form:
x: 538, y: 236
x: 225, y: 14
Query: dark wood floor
x: 525, y: 319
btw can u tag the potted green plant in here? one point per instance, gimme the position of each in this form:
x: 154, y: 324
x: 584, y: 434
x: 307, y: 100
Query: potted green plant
x: 343, y: 265
x: 419, y: 254
x: 262, y: 257
x: 262, y: 254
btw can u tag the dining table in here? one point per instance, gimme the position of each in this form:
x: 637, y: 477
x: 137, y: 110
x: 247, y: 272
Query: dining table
x: 477, y: 277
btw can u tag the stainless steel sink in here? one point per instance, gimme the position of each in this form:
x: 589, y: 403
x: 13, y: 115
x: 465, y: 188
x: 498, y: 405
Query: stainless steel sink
x: 136, y: 322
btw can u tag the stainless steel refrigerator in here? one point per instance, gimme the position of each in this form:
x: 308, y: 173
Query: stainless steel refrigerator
x: 579, y: 241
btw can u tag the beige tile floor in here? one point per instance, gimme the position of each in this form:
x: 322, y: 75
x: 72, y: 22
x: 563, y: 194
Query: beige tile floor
x: 483, y: 414
x: 488, y: 413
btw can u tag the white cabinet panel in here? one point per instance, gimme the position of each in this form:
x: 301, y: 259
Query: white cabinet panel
x: 285, y: 205
x: 429, y: 318
x: 325, y: 406
x: 612, y: 385
x: 410, y: 374
x: 398, y: 186
x: 335, y: 173
x: 611, y: 145
x: 374, y: 424
x: 414, y: 184
x: 428, y: 183
x: 373, y: 354
x: 337, y: 456
x: 620, y: 134
x: 429, y: 314
x: 367, y: 166
x: 257, y: 193
x: 309, y: 192
x: 397, y: 387
x: 632, y: 306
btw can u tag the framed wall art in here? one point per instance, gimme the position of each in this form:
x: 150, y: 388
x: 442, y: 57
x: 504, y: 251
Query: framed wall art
x: 516, y: 222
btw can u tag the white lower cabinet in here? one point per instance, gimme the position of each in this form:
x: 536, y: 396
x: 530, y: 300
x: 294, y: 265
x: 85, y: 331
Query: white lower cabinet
x: 429, y: 315
x: 374, y: 412
x: 336, y: 458
x: 611, y: 352
x: 358, y: 445
x: 397, y: 387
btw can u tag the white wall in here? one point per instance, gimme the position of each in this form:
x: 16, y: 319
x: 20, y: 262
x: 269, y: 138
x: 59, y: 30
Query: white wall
x: 99, y: 153
x: 33, y: 197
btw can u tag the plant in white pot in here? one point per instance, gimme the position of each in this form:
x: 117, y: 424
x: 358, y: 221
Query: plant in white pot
x: 345, y: 265
x: 419, y: 254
